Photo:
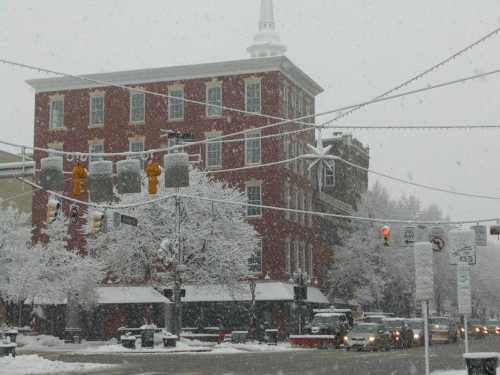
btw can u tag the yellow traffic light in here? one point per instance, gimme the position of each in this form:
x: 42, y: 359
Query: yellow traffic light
x: 53, y: 209
x: 97, y: 222
x: 79, y: 174
x: 153, y: 171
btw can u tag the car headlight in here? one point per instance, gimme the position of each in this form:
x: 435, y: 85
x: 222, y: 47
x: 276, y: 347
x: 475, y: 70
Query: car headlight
x: 462, y: 329
x: 416, y: 336
x: 477, y: 329
x: 371, y: 339
x: 397, y: 333
x: 346, y: 338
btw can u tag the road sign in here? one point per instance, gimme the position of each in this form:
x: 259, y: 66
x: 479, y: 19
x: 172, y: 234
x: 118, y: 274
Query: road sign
x: 462, y: 247
x: 129, y: 220
x: 438, y: 239
x: 424, y: 278
x: 481, y: 235
x: 409, y: 235
x: 74, y: 214
x: 495, y: 230
x: 463, y: 289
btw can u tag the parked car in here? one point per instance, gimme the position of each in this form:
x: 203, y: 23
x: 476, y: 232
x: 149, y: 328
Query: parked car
x: 477, y: 329
x: 417, y: 326
x: 401, y: 333
x: 368, y: 336
x: 347, y: 312
x: 493, y: 327
x: 443, y: 330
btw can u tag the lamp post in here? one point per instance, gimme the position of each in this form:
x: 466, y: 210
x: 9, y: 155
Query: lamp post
x: 252, y: 283
x: 300, y: 293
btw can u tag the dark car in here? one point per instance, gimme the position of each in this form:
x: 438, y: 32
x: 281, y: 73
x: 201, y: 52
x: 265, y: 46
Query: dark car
x: 417, y: 325
x: 335, y: 324
x: 401, y: 333
x: 368, y: 336
x: 443, y: 330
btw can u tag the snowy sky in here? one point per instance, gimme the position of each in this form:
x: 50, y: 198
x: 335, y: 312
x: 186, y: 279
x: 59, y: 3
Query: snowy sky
x: 355, y: 49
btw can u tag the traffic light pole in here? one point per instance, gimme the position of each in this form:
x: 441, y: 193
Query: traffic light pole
x: 178, y: 280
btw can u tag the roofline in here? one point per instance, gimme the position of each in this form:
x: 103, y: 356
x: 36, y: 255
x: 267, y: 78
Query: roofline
x: 183, y: 72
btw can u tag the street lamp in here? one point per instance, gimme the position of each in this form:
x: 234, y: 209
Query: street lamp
x: 252, y: 283
x: 300, y: 293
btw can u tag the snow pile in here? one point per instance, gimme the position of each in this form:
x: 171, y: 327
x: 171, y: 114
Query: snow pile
x: 34, y: 364
x: 37, y: 342
x: 454, y: 372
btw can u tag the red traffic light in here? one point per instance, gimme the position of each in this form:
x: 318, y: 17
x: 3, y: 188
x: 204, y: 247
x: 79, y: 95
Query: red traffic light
x: 386, y: 233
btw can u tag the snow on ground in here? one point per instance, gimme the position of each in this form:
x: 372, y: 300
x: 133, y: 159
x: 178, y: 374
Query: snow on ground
x: 34, y: 364
x: 46, y: 343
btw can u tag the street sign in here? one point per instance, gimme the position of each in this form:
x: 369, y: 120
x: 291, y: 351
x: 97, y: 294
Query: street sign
x: 462, y: 247
x: 438, y: 239
x: 424, y: 277
x: 463, y: 289
x: 409, y: 236
x: 495, y: 230
x: 129, y: 220
x: 481, y: 235
x: 74, y: 214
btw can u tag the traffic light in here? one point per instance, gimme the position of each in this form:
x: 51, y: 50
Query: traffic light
x: 79, y: 174
x: 97, y: 222
x: 153, y: 171
x: 53, y: 210
x: 386, y: 233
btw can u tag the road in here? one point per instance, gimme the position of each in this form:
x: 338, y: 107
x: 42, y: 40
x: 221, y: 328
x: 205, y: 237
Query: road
x: 310, y: 362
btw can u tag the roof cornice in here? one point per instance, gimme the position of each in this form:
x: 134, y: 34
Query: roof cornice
x: 185, y: 72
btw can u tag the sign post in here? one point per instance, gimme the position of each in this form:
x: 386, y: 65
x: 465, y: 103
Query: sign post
x: 464, y: 296
x: 409, y: 235
x: 424, y: 280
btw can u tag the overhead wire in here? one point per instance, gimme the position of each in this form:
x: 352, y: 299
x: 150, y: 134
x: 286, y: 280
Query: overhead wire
x: 205, y: 141
x: 264, y: 207
x: 423, y: 73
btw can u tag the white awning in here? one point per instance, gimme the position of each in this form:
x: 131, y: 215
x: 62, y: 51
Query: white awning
x: 129, y: 295
x: 264, y: 291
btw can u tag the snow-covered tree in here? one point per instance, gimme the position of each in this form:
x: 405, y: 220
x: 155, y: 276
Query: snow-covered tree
x: 215, y: 238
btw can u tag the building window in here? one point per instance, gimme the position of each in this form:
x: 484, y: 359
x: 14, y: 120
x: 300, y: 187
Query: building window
x: 300, y: 208
x: 96, y: 110
x: 57, y: 113
x: 292, y: 203
x: 303, y: 256
x: 214, y: 155
x: 137, y: 106
x: 293, y: 102
x: 255, y: 261
x: 254, y: 196
x: 288, y: 258
x: 287, y: 200
x: 285, y: 101
x: 253, y: 148
x: 311, y: 217
x: 253, y: 96
x: 297, y: 255
x: 329, y: 175
x: 214, y: 101
x: 96, y: 148
x: 136, y: 145
x: 176, y: 104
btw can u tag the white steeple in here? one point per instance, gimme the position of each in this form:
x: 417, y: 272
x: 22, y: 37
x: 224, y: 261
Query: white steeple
x: 267, y: 41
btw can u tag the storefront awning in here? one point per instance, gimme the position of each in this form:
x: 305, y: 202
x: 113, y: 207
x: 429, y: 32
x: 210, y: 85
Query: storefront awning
x: 240, y: 292
x: 114, y: 295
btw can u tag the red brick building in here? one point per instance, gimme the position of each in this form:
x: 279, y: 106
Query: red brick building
x: 77, y: 115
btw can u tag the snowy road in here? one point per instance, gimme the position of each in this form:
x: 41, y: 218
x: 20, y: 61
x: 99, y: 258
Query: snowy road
x: 315, y: 362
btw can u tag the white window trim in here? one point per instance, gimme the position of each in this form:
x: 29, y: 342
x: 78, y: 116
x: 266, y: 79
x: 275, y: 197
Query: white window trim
x: 132, y: 93
x: 171, y: 88
x: 56, y: 98
x: 250, y: 81
x: 91, y: 96
x: 254, y: 183
x: 209, y: 135
x: 210, y: 85
x: 286, y: 93
x: 253, y: 134
x: 310, y: 271
x: 288, y: 256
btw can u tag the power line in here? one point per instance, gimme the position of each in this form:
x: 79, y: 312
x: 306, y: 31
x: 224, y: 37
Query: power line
x: 414, y: 127
x: 422, y: 74
x: 261, y: 206
x: 386, y: 98
x: 416, y: 184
